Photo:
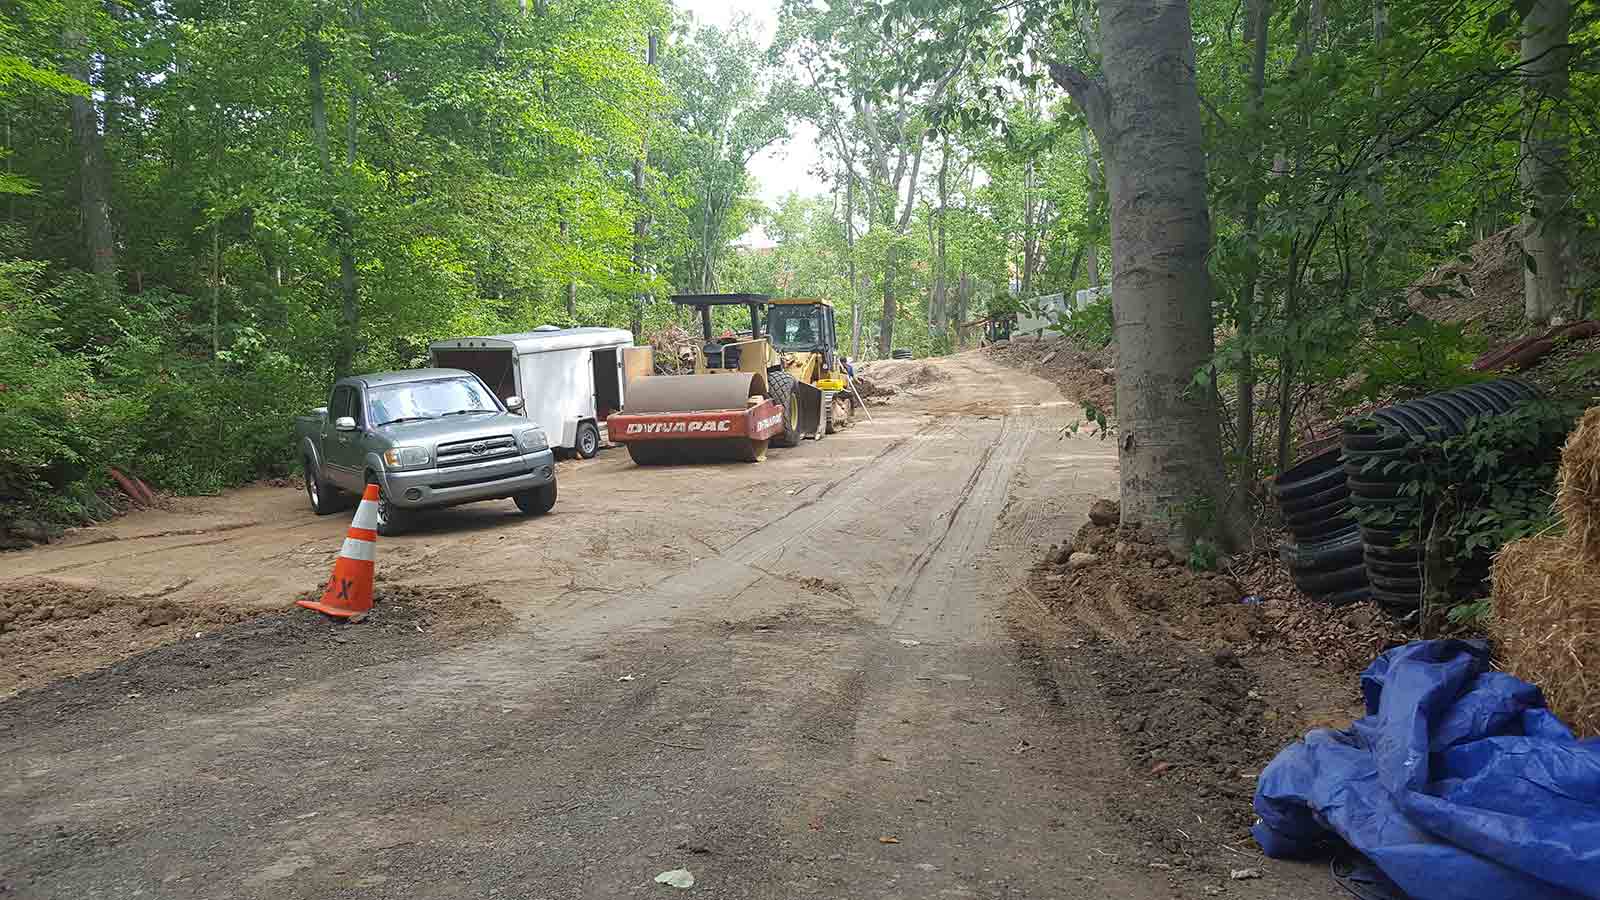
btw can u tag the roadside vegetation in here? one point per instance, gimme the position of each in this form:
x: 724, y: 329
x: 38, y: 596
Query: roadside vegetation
x: 209, y: 210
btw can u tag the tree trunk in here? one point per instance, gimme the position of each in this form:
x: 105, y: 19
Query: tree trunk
x: 941, y: 287
x: 1091, y: 201
x: 1245, y: 423
x: 1369, y: 269
x: 1032, y: 228
x: 1545, y: 219
x: 891, y: 255
x: 319, y: 97
x: 94, y: 204
x: 216, y: 287
x: 886, y: 324
x: 344, y: 226
x: 1147, y: 118
x: 1286, y: 364
x: 850, y: 250
x: 963, y: 297
x: 641, y: 225
x: 565, y: 230
x: 349, y: 285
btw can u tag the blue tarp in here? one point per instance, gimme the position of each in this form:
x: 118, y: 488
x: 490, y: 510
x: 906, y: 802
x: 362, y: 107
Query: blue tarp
x: 1458, y: 783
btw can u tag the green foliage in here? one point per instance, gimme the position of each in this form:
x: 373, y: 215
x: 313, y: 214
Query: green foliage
x: 1473, y: 614
x: 1103, y: 424
x: 52, y: 421
x: 87, y: 383
x: 476, y: 162
x: 477, y: 172
x: 1090, y: 326
x: 1420, y: 357
x: 1204, y: 556
x: 727, y: 110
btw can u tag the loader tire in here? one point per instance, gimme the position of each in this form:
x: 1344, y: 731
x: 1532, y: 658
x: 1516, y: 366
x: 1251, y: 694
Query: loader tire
x: 780, y: 387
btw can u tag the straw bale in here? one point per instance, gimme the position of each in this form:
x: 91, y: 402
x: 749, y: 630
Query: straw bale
x: 1578, y: 486
x: 1547, y: 625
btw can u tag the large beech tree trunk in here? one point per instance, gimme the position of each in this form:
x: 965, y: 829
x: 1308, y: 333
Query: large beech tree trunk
x: 94, y: 203
x: 1544, y: 225
x: 1146, y: 115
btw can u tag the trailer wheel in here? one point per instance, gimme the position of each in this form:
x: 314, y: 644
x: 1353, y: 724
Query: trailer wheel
x: 587, y: 443
x: 780, y: 387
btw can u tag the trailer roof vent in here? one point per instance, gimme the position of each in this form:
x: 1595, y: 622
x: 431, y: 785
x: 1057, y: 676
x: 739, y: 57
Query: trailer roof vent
x: 548, y: 328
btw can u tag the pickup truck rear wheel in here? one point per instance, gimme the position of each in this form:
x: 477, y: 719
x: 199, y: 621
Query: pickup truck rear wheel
x: 324, y: 499
x: 538, y: 501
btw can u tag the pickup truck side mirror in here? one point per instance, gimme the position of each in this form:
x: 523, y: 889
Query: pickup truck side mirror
x: 344, y: 423
x: 513, y: 403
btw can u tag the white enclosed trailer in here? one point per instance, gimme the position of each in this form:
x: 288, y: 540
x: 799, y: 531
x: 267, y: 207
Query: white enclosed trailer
x: 570, y: 379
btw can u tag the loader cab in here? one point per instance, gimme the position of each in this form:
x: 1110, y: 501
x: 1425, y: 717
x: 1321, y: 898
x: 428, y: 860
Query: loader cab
x: 800, y: 327
x: 802, y: 333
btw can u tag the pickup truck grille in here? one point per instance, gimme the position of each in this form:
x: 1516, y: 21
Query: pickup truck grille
x: 465, y: 453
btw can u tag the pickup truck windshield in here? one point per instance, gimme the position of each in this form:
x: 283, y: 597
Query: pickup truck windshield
x: 414, y: 400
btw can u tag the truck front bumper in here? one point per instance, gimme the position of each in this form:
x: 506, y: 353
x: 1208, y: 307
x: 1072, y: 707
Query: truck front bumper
x: 495, y: 480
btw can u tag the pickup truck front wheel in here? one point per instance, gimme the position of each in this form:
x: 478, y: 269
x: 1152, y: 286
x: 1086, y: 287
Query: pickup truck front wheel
x: 391, y: 519
x: 538, y: 501
x: 324, y: 499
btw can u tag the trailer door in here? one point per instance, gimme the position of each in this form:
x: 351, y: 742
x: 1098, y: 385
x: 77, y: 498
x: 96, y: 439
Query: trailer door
x: 497, y: 366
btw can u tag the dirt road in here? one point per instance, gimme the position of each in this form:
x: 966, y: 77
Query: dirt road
x: 795, y: 679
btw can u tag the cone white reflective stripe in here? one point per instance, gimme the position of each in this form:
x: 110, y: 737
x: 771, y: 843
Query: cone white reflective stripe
x: 366, y: 516
x: 366, y: 551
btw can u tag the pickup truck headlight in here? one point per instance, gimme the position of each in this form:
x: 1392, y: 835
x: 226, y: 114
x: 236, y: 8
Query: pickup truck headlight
x: 406, y: 457
x: 532, y: 440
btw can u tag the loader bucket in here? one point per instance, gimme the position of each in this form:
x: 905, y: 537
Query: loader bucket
x: 809, y: 399
x: 696, y: 418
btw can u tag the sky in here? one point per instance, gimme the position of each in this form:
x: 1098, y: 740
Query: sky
x: 785, y: 167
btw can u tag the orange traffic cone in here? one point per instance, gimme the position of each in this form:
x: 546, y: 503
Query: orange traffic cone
x: 349, y: 591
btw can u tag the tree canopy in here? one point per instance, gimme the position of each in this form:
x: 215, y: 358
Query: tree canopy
x: 212, y: 208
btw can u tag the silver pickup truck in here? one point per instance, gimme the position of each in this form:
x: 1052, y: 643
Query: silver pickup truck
x: 428, y: 438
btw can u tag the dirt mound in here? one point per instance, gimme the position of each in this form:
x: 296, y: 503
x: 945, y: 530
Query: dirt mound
x: 885, y: 378
x: 1122, y: 569
x: 1086, y: 375
x: 1110, y: 574
x: 1206, y: 675
x: 1198, y: 726
x: 1485, y: 290
x: 51, y: 630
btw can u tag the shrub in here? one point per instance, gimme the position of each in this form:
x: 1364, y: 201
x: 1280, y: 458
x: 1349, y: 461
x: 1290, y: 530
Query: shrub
x: 1090, y: 326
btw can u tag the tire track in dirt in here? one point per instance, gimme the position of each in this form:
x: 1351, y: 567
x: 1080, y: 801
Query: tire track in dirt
x: 754, y: 556
x: 861, y: 482
x: 947, y: 573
